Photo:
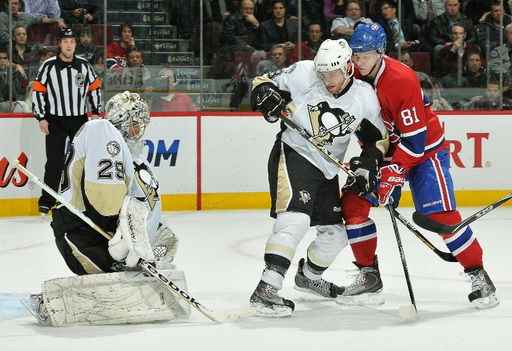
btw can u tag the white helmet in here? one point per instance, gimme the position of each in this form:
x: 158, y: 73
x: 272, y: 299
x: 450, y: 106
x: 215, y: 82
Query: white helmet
x: 333, y: 55
x: 124, y: 110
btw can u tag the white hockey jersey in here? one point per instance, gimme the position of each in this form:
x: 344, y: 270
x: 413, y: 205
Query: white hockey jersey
x: 100, y: 172
x: 331, y: 120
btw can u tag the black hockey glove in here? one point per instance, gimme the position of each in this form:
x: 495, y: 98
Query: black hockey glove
x: 366, y: 171
x: 269, y: 102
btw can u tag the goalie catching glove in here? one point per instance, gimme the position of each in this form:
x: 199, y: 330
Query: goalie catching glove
x: 268, y: 101
x: 365, y: 179
x: 392, y: 179
x: 131, y: 243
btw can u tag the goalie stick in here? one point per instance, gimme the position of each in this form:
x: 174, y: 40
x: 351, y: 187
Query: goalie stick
x: 284, y: 116
x: 434, y: 226
x: 228, y: 316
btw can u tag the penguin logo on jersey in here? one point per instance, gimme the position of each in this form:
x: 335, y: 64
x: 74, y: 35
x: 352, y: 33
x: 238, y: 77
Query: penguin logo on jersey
x: 147, y: 183
x: 113, y: 148
x: 80, y: 80
x: 329, y: 123
x: 304, y: 196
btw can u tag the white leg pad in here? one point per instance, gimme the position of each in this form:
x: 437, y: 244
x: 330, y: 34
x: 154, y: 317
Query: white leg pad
x: 330, y: 240
x: 113, y: 298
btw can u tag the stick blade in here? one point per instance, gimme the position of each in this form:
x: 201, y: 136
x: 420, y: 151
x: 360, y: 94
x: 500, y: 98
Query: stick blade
x: 408, y: 313
x: 427, y: 223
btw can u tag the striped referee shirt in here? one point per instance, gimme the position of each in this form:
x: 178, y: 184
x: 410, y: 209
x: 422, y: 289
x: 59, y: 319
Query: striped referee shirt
x: 62, y: 88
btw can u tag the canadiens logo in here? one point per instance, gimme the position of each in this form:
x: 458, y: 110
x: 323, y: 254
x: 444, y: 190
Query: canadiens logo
x: 79, y: 80
x: 113, y: 148
x: 328, y: 123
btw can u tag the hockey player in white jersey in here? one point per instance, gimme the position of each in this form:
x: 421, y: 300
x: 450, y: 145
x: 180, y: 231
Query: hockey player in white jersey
x: 326, y: 101
x: 106, y: 178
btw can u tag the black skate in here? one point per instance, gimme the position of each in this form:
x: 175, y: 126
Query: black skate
x: 482, y: 289
x: 317, y: 287
x: 365, y: 290
x: 267, y: 302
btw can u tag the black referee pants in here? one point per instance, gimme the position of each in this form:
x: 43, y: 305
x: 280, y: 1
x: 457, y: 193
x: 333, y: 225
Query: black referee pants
x: 60, y: 129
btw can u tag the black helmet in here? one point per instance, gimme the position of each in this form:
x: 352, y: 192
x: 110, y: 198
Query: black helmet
x: 66, y: 33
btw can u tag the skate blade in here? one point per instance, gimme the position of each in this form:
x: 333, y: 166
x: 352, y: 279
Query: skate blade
x: 261, y: 310
x: 311, y: 292
x: 32, y: 311
x: 368, y: 299
x: 486, y: 302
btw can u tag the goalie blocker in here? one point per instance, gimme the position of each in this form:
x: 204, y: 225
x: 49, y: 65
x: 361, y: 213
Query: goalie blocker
x: 111, y: 298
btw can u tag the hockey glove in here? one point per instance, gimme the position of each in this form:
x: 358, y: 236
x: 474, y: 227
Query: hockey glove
x: 392, y: 179
x: 366, y: 170
x: 269, y: 102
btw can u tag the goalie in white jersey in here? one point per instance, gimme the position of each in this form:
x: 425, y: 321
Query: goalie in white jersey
x: 323, y: 99
x: 106, y: 178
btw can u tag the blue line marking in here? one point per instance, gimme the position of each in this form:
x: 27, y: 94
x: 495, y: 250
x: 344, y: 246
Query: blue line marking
x: 10, y: 306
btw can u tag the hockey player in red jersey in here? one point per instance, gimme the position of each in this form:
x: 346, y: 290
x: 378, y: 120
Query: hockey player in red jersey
x: 418, y: 154
x: 322, y: 98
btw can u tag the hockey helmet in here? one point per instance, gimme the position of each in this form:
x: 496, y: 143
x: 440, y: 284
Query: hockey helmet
x: 66, y: 33
x: 129, y: 113
x: 333, y: 55
x: 368, y: 37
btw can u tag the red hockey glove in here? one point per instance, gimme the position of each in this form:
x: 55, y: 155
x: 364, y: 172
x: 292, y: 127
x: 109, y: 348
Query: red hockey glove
x: 391, y: 180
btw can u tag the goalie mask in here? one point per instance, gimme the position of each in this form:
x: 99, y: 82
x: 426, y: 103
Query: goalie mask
x: 130, y: 115
x: 333, y: 55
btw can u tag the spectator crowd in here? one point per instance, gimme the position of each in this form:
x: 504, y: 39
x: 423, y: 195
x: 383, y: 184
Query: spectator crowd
x: 460, y: 49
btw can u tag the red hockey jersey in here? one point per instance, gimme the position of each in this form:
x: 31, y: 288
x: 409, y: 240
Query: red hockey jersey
x: 414, y: 129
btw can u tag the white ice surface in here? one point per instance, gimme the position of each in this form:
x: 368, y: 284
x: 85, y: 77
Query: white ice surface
x: 221, y: 253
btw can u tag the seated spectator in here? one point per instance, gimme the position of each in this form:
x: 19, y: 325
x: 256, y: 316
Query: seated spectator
x: 438, y: 30
x: 343, y: 27
x: 239, y: 29
x: 277, y: 61
x: 98, y: 63
x: 24, y: 53
x: 169, y: 100
x: 134, y: 76
x: 85, y: 48
x: 490, y: 101
x: 279, y: 29
x: 334, y: 9
x: 450, y: 64
x: 117, y: 50
x: 309, y: 47
x: 24, y: 106
x: 399, y: 34
x: 81, y: 11
x: 43, y: 8
x: 432, y: 90
x: 20, y: 19
x: 426, y: 11
x: 498, y: 59
x: 476, y: 9
x: 507, y: 79
x: 475, y: 74
x: 490, y: 29
x: 5, y: 86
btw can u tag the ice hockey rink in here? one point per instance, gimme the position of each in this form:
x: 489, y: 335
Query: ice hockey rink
x: 221, y: 253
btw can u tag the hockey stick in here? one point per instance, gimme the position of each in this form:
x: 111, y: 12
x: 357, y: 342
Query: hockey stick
x: 229, y: 316
x: 406, y: 312
x: 434, y: 226
x: 284, y: 116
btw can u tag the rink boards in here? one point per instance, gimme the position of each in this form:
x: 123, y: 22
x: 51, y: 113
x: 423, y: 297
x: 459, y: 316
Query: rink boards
x: 219, y: 160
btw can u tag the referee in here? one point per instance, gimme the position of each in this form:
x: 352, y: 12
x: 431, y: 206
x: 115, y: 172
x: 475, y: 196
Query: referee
x: 61, y: 88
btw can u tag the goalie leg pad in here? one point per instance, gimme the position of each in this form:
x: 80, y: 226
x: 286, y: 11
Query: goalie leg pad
x: 131, y: 240
x: 113, y: 298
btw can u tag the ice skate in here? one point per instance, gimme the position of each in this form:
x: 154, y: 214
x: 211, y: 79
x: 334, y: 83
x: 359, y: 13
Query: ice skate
x: 267, y: 302
x: 365, y: 290
x: 316, y: 287
x: 35, y: 305
x: 482, y: 289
